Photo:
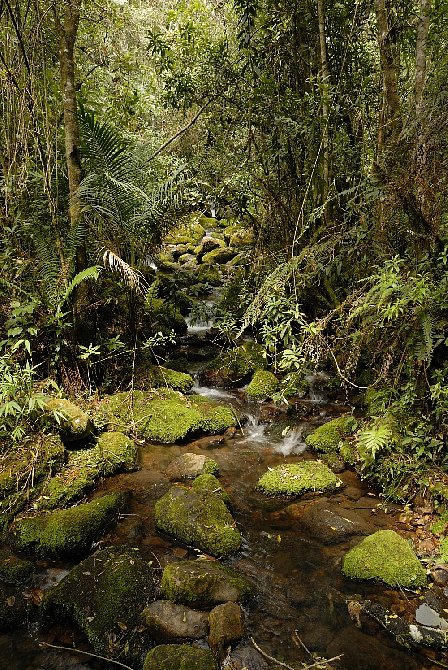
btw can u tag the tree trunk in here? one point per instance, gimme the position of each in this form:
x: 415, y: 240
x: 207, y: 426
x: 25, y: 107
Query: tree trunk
x: 67, y: 22
x: 392, y: 120
x: 420, y: 54
x: 325, y: 76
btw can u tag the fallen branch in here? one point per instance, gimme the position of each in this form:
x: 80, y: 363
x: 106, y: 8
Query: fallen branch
x: 317, y: 664
x: 86, y: 653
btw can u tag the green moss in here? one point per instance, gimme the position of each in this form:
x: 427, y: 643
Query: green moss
x: 112, y: 453
x: 329, y: 436
x: 67, y: 418
x: 220, y: 256
x: 14, y: 570
x: 263, y: 385
x: 179, y: 657
x: 234, y: 366
x: 164, y: 415
x: 349, y: 452
x: 199, y: 518
x: 294, y: 384
x: 385, y: 556
x: 187, y: 232
x: 165, y: 317
x: 204, y: 584
x: 29, y: 462
x: 105, y: 595
x: 443, y: 550
x: 209, y: 483
x: 65, y: 533
x: 156, y: 376
x: 207, y: 274
x: 297, y: 478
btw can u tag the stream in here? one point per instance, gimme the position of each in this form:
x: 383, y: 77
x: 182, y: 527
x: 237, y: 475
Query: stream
x: 300, y: 607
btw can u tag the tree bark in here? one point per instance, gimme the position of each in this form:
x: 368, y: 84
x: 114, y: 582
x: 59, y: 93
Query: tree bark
x: 325, y: 77
x: 392, y: 120
x: 420, y: 54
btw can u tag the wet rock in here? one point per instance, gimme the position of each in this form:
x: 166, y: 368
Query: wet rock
x: 297, y: 478
x: 208, y: 244
x: 112, y: 453
x: 14, y: 570
x: 179, y: 657
x: 226, y: 626
x: 440, y: 574
x: 105, y: 596
x: 14, y: 608
x: 204, y: 584
x: 167, y: 621
x: 191, y: 465
x: 220, y: 256
x: 212, y: 441
x: 328, y: 437
x: 331, y: 525
x: 427, y: 616
x: 385, y: 556
x: 164, y: 415
x: 199, y: 517
x: 263, y: 385
x: 156, y: 376
x: 246, y: 657
x: 66, y: 533
x: 70, y: 420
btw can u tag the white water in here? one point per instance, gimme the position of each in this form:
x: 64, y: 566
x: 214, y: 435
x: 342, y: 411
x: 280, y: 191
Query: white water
x: 292, y: 443
x: 211, y: 392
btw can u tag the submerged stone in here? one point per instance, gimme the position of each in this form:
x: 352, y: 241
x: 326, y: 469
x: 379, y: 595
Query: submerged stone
x: 168, y: 621
x: 263, y: 385
x: 328, y: 437
x: 331, y: 525
x: 198, y: 517
x: 385, y: 556
x: 164, y: 415
x: 105, y: 596
x: 204, y: 584
x: 112, y: 453
x: 70, y: 420
x: 191, y: 465
x: 179, y: 657
x: 66, y: 533
x: 298, y: 478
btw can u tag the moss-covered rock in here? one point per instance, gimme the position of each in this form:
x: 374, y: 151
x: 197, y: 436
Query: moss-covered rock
x: 164, y: 317
x: 113, y: 452
x: 187, y: 232
x: 219, y: 256
x: 207, y: 482
x: 70, y: 420
x: 294, y: 385
x: 14, y: 570
x: 298, y: 478
x: 179, y: 657
x: 204, y: 584
x: 329, y: 436
x: 67, y: 533
x: 208, y: 274
x: 226, y: 626
x: 156, y: 376
x: 263, y: 385
x: 385, y: 556
x: 29, y: 462
x: 235, y: 366
x: 164, y: 415
x: 190, y: 465
x: 105, y: 596
x: 198, y: 517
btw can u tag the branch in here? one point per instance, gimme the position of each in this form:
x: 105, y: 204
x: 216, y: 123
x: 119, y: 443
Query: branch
x: 87, y: 653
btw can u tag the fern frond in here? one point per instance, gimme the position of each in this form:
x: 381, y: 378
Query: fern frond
x: 133, y: 278
x: 373, y: 440
x: 92, y: 272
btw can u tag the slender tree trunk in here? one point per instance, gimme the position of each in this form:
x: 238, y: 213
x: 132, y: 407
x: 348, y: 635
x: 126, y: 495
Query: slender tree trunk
x: 67, y: 22
x: 325, y: 76
x: 420, y: 54
x: 392, y: 119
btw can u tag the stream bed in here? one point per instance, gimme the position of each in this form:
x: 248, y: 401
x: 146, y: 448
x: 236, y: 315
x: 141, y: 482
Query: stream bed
x: 300, y: 608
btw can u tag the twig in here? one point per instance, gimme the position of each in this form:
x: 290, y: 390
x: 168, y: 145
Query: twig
x: 271, y: 658
x: 322, y: 660
x: 87, y: 653
x: 298, y: 641
x: 181, y: 131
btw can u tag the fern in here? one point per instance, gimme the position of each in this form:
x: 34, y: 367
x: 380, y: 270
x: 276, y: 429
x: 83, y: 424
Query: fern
x: 373, y: 440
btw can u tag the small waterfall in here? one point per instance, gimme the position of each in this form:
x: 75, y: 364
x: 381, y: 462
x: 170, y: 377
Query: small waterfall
x: 211, y: 392
x: 253, y: 430
x: 317, y: 382
x: 292, y: 442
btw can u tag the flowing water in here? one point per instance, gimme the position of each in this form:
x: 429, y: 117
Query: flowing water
x: 301, y: 601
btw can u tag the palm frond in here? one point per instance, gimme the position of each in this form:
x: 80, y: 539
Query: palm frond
x: 132, y: 278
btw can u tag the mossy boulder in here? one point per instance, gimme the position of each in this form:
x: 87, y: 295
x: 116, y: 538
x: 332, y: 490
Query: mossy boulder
x: 219, y: 256
x: 235, y: 366
x: 14, y: 570
x: 191, y: 465
x: 298, y: 478
x: 387, y: 557
x: 199, y: 517
x: 207, y: 482
x: 207, y: 245
x: 164, y: 316
x: 327, y: 438
x: 157, y: 376
x: 67, y: 533
x: 204, y: 584
x: 187, y: 232
x: 164, y: 415
x: 105, y: 596
x: 113, y: 452
x: 263, y: 385
x: 179, y: 657
x: 208, y: 274
x: 72, y: 422
x: 31, y: 461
